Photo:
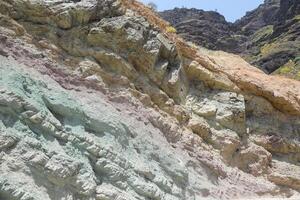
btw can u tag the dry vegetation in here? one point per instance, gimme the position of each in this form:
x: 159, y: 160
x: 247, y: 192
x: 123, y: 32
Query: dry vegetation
x: 160, y: 24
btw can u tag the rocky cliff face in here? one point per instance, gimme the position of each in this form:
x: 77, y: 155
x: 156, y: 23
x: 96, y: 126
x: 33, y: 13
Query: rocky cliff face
x: 267, y: 37
x: 99, y: 101
x: 206, y: 28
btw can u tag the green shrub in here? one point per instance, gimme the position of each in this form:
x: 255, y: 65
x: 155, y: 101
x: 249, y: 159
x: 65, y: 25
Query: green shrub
x: 267, y: 49
x: 288, y: 67
x: 171, y: 29
x: 262, y: 33
x: 297, y: 59
x: 297, y: 17
x: 285, y: 70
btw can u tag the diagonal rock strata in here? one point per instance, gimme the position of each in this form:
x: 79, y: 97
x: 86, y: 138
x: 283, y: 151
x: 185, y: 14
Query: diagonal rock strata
x: 99, y: 102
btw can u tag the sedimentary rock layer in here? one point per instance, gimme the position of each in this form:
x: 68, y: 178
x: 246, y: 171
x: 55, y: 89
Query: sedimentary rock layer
x: 97, y: 101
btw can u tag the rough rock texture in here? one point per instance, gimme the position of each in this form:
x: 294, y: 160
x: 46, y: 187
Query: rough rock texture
x: 267, y: 37
x: 97, y: 101
x: 206, y: 28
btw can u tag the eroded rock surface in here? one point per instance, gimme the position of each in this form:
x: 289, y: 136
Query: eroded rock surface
x: 98, y: 102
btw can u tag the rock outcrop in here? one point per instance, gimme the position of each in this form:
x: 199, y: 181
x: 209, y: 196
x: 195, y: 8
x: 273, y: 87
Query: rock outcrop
x: 267, y: 37
x: 205, y: 28
x: 99, y: 101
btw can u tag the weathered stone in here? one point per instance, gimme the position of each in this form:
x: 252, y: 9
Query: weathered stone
x: 113, y: 171
x: 98, y: 102
x: 6, y: 141
x: 232, y: 113
x: 59, y: 168
x: 200, y: 127
x: 107, y: 192
x: 144, y: 189
x: 85, y: 183
x: 253, y: 159
x: 285, y: 174
x: 206, y: 110
x: 277, y: 144
x: 227, y: 142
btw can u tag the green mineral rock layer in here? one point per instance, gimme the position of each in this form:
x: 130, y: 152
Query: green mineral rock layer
x: 98, y: 102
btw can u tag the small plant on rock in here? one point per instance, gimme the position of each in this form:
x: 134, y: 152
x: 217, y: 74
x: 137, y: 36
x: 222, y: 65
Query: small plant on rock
x: 171, y: 29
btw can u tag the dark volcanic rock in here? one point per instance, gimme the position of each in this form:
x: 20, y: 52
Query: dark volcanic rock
x: 268, y: 37
x: 270, y: 63
x: 289, y: 9
x: 254, y: 20
x: 205, y: 28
